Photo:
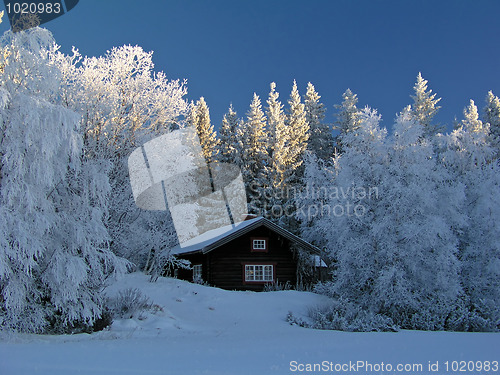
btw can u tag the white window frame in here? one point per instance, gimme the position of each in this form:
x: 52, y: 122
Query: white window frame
x: 259, y: 244
x: 197, y: 272
x: 260, y: 273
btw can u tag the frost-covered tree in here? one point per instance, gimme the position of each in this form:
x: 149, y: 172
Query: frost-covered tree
x: 492, y: 117
x: 352, y: 208
x: 291, y: 140
x: 313, y: 200
x: 54, y: 254
x: 390, y: 225
x: 275, y: 117
x: 275, y: 128
x: 424, y: 106
x: 347, y: 117
x: 255, y: 155
x: 416, y: 269
x: 298, y: 135
x: 230, y: 145
x: 320, y: 135
x: 200, y: 119
x: 123, y: 103
x: 291, y: 143
x: 469, y: 158
x: 123, y: 100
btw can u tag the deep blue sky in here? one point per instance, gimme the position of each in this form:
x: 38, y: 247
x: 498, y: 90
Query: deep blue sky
x: 229, y: 49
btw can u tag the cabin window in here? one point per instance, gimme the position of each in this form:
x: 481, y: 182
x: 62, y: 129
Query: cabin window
x: 259, y: 244
x: 197, y: 273
x: 259, y: 272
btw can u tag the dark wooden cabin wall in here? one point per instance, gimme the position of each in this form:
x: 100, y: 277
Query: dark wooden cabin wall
x: 223, y: 267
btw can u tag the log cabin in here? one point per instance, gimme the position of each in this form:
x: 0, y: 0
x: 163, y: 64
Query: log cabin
x: 244, y: 256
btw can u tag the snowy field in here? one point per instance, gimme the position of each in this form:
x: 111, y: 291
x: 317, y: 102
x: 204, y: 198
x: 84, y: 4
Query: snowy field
x: 204, y: 330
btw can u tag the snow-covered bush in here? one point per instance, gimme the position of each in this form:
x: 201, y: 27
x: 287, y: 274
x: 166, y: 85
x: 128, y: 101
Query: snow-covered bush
x: 346, y: 316
x: 129, y: 303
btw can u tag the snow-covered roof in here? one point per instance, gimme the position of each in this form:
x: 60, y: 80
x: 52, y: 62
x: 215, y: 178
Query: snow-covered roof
x: 217, y: 237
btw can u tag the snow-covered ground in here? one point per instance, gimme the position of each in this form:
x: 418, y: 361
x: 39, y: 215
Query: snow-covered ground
x: 204, y: 330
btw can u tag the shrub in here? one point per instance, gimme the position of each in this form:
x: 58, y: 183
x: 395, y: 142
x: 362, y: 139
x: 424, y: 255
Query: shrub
x: 129, y: 303
x: 345, y: 316
x: 275, y: 287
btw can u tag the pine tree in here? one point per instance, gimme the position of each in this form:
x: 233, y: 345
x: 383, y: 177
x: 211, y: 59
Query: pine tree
x: 200, y: 119
x: 424, y: 106
x: 348, y: 116
x: 320, y: 134
x: 492, y: 117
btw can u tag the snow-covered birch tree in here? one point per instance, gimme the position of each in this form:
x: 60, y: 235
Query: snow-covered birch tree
x: 416, y: 266
x: 312, y: 203
x: 352, y: 209
x: 54, y: 254
x: 123, y: 103
x: 470, y: 159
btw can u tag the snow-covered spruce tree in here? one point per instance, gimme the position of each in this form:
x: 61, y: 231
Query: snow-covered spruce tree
x: 416, y: 279
x: 347, y: 117
x: 255, y: 161
x: 291, y: 140
x: 291, y: 143
x: 424, y: 106
x: 492, y: 117
x: 200, y: 119
x: 320, y: 135
x: 54, y: 256
x: 275, y: 128
x: 275, y: 117
x: 230, y: 145
x: 470, y: 159
x: 298, y: 138
x: 123, y: 104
